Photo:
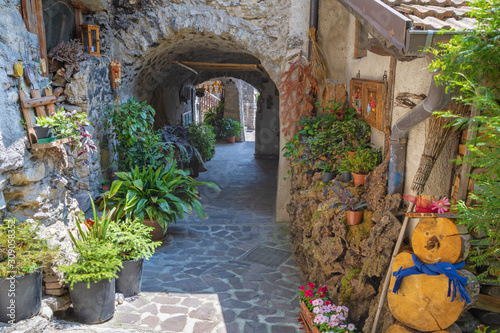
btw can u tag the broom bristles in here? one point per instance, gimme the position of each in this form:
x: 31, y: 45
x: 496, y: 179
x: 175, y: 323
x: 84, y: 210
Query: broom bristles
x: 316, y: 62
x: 438, y: 134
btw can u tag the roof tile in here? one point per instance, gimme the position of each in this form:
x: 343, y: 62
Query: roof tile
x: 435, y: 14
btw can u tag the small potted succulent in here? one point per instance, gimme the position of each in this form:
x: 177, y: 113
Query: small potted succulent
x: 363, y: 162
x: 92, y: 276
x: 347, y: 201
x: 132, y: 238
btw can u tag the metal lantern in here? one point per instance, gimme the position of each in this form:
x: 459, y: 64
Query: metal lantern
x: 90, y: 37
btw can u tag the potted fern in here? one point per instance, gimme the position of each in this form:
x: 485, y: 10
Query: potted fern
x: 22, y: 255
x: 132, y: 238
x: 92, y: 276
x: 348, y: 202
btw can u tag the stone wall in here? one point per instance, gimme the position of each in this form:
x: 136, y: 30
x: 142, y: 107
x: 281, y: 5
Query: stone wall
x: 351, y: 260
x: 267, y: 124
x: 247, y: 103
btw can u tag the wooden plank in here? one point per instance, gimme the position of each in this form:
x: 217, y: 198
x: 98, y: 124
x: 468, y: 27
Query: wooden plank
x: 39, y: 101
x: 41, y: 33
x: 40, y: 110
x: 207, y: 66
x: 50, y: 107
x: 488, y: 303
x: 360, y: 41
x: 389, y: 100
x: 461, y: 149
x: 422, y: 215
x: 374, y: 46
x: 27, y: 118
x: 466, y: 168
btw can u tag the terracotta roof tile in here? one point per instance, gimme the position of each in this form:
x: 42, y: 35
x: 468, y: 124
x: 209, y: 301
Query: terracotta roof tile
x: 435, y: 14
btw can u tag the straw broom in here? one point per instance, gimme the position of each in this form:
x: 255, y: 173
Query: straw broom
x: 439, y: 133
x: 316, y: 62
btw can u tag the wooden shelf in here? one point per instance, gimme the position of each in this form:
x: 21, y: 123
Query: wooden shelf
x: 49, y: 144
x: 446, y: 215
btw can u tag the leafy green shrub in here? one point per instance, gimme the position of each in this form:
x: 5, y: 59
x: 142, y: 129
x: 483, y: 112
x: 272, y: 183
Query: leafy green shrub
x: 21, y: 250
x: 214, y: 114
x: 162, y: 195
x: 363, y: 162
x: 132, y: 238
x: 202, y: 138
x: 228, y: 128
x: 97, y: 256
x: 131, y: 126
x: 469, y: 63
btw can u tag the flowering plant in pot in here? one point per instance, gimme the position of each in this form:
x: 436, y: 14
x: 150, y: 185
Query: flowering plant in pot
x: 319, y: 314
x: 347, y: 201
x: 22, y: 255
x: 92, y: 276
x: 158, y: 196
x: 132, y: 238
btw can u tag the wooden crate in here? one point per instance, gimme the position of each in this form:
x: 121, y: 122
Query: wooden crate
x: 307, y: 319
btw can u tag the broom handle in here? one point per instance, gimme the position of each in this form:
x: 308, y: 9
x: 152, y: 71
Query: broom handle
x: 389, y: 269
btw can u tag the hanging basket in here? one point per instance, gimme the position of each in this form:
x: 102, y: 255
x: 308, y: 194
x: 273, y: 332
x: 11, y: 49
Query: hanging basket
x: 200, y: 92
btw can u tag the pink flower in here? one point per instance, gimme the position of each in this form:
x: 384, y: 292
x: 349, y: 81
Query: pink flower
x: 441, y: 205
x: 311, y: 285
x: 327, y: 302
x: 342, y: 326
x: 351, y: 327
x: 339, y: 308
x: 317, y: 302
x: 320, y: 319
x: 302, y: 288
x: 309, y: 293
x: 317, y: 310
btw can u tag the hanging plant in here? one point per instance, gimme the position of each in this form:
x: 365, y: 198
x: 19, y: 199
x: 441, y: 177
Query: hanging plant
x: 297, y: 88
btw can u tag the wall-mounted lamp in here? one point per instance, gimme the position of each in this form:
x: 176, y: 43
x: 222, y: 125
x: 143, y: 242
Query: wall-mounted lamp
x: 90, y: 37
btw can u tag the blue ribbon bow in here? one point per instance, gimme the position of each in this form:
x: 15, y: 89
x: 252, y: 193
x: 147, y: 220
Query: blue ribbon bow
x: 455, y: 281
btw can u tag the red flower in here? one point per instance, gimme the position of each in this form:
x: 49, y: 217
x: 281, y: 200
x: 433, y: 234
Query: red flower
x: 89, y: 223
x: 302, y: 288
x: 311, y: 285
x: 327, y: 302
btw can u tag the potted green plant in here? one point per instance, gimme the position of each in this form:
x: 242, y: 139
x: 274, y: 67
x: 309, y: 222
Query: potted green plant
x: 92, y: 276
x: 22, y: 256
x: 360, y: 164
x: 105, y: 185
x: 202, y: 137
x: 347, y: 201
x: 132, y: 238
x: 43, y: 130
x: 344, y: 169
x: 156, y: 197
x: 229, y: 129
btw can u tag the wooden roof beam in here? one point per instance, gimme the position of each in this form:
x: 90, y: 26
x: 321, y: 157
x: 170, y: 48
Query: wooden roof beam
x: 218, y: 67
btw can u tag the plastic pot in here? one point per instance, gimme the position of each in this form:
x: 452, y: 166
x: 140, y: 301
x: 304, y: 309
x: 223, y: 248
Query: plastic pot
x: 20, y: 297
x: 346, y: 177
x: 129, y: 278
x: 231, y: 139
x: 354, y: 217
x: 327, y: 176
x: 157, y: 234
x: 43, y: 132
x: 95, y: 304
x: 359, y: 179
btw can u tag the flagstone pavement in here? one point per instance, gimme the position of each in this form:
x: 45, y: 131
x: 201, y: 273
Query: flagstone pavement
x: 197, y: 280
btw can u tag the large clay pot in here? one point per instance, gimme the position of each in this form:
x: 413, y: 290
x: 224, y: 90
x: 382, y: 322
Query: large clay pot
x: 95, y: 304
x: 20, y: 297
x: 359, y: 179
x: 354, y: 217
x: 129, y: 278
x: 231, y: 139
x: 157, y: 234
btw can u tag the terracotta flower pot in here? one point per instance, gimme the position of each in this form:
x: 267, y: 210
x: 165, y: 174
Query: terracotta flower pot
x: 231, y: 139
x: 354, y: 217
x: 157, y: 234
x: 105, y: 188
x: 359, y: 179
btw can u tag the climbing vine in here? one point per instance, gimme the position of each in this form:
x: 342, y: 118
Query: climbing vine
x: 297, y: 88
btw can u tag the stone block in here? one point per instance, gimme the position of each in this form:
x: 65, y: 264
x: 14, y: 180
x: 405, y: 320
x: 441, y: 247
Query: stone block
x: 83, y: 201
x: 57, y: 303
x: 56, y: 292
x: 31, y: 173
x: 54, y: 285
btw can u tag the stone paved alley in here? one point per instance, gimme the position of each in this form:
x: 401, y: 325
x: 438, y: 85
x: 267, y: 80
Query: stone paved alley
x: 197, y: 281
